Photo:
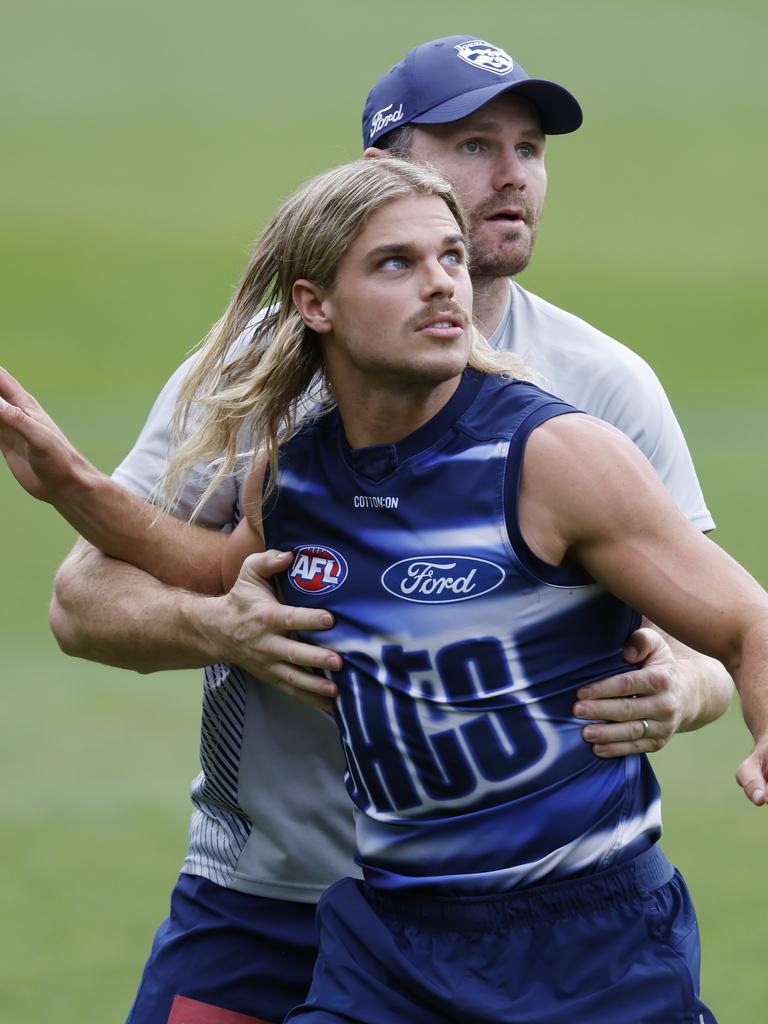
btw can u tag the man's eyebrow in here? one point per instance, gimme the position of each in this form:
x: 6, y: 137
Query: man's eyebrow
x: 531, y: 129
x: 396, y: 248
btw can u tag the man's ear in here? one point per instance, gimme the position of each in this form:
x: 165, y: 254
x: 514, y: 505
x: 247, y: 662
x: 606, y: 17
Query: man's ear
x: 373, y: 151
x: 311, y: 301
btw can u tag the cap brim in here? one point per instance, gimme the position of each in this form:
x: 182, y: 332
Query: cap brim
x: 559, y: 111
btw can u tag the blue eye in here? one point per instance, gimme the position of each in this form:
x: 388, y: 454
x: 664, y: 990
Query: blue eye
x: 525, y: 151
x: 454, y: 258
x: 471, y: 146
x: 394, y: 263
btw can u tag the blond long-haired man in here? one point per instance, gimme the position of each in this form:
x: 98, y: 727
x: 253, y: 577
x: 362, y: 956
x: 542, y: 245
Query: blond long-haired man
x: 262, y: 844
x: 444, y: 509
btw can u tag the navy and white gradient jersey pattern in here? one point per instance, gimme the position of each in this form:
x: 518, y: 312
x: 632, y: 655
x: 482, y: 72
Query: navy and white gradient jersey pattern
x: 462, y: 651
x: 260, y: 824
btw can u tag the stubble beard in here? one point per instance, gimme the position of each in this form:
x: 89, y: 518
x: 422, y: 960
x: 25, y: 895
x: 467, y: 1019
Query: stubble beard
x: 506, y: 256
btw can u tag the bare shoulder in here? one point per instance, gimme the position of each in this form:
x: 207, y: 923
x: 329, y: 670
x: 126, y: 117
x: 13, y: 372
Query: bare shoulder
x: 582, y: 451
x: 583, y: 478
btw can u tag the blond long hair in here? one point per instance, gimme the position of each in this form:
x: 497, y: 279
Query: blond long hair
x: 238, y: 400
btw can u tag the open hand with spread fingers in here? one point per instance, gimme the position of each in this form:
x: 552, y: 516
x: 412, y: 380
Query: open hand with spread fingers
x: 251, y: 628
x: 38, y: 454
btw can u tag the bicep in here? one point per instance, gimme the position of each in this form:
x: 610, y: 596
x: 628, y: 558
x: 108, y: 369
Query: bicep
x: 634, y: 540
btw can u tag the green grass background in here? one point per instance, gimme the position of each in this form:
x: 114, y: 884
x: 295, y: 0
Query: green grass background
x: 143, y: 147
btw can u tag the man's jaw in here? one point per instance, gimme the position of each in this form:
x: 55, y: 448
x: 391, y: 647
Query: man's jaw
x: 501, y: 243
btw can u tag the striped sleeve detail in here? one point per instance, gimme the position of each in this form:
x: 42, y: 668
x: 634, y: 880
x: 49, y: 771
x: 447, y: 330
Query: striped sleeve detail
x: 219, y: 830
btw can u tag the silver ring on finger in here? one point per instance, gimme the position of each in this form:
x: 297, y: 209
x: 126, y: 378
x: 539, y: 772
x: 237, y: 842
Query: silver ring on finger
x: 645, y: 729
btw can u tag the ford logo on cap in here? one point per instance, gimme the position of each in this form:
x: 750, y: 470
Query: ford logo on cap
x: 441, y: 579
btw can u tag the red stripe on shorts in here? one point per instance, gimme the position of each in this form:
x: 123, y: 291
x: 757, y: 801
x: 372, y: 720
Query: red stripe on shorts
x: 190, y: 1011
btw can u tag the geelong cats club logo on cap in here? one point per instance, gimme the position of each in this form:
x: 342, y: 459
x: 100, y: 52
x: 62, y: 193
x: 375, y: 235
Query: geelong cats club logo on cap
x: 483, y: 55
x: 317, y: 569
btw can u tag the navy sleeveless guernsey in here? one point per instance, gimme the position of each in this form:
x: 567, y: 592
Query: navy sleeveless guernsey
x: 462, y: 653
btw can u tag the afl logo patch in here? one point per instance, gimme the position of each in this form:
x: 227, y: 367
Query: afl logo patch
x: 441, y: 579
x: 485, y: 56
x: 317, y: 569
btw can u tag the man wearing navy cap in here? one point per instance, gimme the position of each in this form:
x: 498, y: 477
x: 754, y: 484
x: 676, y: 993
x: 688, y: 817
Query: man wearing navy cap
x: 271, y: 827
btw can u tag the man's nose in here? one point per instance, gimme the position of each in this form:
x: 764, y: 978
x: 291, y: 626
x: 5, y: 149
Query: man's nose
x: 508, y: 171
x: 437, y: 282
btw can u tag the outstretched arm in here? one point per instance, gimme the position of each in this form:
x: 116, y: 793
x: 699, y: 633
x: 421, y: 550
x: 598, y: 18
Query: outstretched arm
x: 110, y: 518
x: 107, y: 610
x: 590, y: 495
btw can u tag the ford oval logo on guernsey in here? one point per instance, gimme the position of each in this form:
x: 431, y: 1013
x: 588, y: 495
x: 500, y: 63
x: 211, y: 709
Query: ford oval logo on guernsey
x: 441, y: 579
x: 317, y: 569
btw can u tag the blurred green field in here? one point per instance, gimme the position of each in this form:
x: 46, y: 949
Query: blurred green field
x: 144, y: 145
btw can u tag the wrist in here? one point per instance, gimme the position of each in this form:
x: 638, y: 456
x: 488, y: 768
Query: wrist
x: 690, y: 696
x: 78, y: 484
x: 707, y: 691
x: 202, y: 623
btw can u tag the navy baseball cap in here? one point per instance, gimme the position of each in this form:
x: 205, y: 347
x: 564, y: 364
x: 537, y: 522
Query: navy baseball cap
x: 447, y: 79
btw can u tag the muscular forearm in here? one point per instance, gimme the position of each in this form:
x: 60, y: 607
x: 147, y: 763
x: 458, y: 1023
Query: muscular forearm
x: 707, y: 688
x: 122, y: 525
x: 107, y: 611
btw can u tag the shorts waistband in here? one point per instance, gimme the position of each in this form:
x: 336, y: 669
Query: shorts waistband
x: 620, y: 884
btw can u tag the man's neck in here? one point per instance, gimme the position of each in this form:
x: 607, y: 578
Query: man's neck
x: 491, y: 295
x: 384, y: 415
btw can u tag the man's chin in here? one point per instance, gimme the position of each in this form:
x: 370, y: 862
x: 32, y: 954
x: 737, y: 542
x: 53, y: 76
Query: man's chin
x: 501, y: 258
x: 429, y: 374
x: 504, y: 262
x: 499, y: 268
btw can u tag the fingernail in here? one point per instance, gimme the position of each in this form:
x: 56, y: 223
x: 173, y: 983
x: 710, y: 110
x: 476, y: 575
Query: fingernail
x: 326, y: 622
x: 630, y: 653
x: 580, y: 710
x: 586, y: 693
x: 758, y: 797
x: 590, y: 734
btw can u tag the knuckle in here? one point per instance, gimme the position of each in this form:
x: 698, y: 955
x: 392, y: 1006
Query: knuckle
x: 628, y: 711
x: 628, y: 682
x: 661, y: 678
x: 285, y: 686
x: 290, y: 618
x: 259, y: 619
x: 238, y: 634
x: 292, y: 654
x: 667, y: 701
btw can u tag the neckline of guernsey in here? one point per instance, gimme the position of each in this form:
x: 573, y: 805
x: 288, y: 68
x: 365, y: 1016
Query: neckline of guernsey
x: 377, y: 461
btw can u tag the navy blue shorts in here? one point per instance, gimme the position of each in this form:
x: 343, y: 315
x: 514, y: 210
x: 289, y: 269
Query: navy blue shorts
x: 618, y: 947
x: 226, y: 949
